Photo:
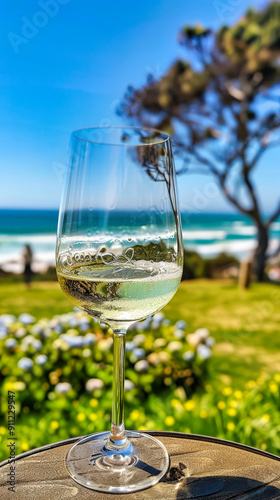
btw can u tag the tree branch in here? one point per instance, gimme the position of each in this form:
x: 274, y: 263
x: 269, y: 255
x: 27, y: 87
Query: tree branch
x: 204, y: 161
x: 255, y: 210
x: 233, y: 200
x: 260, y: 152
x: 274, y: 216
x: 221, y: 179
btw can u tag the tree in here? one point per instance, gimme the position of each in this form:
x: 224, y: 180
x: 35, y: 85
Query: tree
x: 222, y: 107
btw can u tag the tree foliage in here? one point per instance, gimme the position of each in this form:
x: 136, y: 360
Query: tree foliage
x: 221, y: 104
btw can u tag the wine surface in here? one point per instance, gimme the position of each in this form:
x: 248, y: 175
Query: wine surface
x: 120, y: 294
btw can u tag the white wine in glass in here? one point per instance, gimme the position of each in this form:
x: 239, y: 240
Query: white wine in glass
x: 129, y: 295
x: 119, y: 257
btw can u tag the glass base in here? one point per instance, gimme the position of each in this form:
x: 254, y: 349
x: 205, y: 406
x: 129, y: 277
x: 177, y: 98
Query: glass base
x: 137, y: 467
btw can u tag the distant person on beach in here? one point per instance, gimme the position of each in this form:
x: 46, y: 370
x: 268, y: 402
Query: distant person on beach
x: 27, y: 259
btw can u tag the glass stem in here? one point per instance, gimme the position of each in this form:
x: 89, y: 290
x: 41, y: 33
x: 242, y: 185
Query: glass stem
x: 118, y: 439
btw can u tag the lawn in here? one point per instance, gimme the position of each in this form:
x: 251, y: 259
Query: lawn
x: 244, y: 323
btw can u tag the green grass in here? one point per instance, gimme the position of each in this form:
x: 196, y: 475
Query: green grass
x: 44, y: 299
x: 244, y: 323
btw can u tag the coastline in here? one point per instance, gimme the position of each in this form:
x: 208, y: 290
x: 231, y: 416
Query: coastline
x: 44, y: 250
x: 207, y: 234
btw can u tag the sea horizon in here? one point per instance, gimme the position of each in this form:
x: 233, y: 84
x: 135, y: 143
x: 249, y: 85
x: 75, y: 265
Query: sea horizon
x: 208, y: 233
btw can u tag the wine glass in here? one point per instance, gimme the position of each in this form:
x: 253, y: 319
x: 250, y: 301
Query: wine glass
x: 119, y: 257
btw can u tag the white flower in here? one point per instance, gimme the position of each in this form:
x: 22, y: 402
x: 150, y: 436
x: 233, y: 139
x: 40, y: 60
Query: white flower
x: 63, y: 387
x: 84, y: 322
x: 175, y: 345
x: 46, y: 333
x: 128, y: 385
x: 26, y: 342
x: 25, y: 364
x: 57, y: 329
x: 37, y: 344
x: 10, y: 343
x: 193, y: 339
x: 139, y: 339
x: 164, y: 356
x: 7, y: 319
x: 61, y: 344
x: 73, y: 341
x: 188, y: 356
x: 210, y: 341
x: 41, y: 359
x: 141, y: 366
x: 145, y: 324
x: 157, y: 320
x: 138, y: 353
x: 43, y: 322
x: 179, y: 334
x: 181, y: 324
x: 53, y: 323
x: 73, y: 322
x: 160, y: 342
x: 30, y: 341
x: 65, y: 318
x: 105, y: 344
x: 89, y: 339
x: 129, y: 346
x: 153, y: 358
x: 159, y: 317
x: 155, y: 325
x: 166, y: 322
x: 20, y: 333
x: 142, y: 325
x: 93, y: 384
x: 138, y: 326
x: 86, y: 353
x: 26, y: 319
x: 3, y: 332
x: 203, y: 351
x: 84, y: 325
x: 202, y: 333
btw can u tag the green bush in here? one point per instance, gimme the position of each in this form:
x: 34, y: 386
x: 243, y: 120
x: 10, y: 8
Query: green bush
x: 61, y: 371
x: 62, y: 384
x: 197, y: 267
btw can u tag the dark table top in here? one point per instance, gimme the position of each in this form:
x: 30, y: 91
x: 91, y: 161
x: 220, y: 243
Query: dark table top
x: 201, y: 468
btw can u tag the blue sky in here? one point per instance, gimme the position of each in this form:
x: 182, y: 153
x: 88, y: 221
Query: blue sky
x: 71, y: 72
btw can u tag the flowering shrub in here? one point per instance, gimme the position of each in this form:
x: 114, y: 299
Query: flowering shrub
x: 61, y: 371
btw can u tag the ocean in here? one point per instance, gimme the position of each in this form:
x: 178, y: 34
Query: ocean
x: 208, y: 234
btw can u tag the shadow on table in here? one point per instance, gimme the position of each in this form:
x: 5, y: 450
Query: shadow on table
x: 226, y: 487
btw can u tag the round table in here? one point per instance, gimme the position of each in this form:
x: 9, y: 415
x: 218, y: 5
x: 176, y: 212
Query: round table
x: 201, y: 468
